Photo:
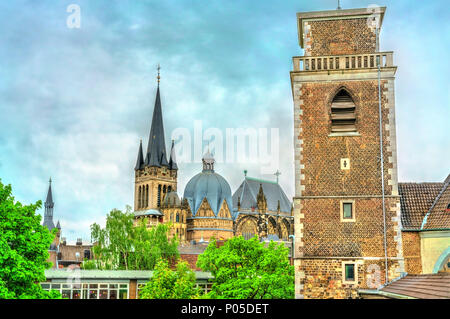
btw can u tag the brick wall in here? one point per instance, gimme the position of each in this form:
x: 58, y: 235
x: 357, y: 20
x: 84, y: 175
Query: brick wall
x: 411, y: 252
x: 335, y: 37
x: 191, y: 259
x: 322, y: 153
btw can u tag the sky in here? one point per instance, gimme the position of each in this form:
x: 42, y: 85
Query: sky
x: 74, y: 102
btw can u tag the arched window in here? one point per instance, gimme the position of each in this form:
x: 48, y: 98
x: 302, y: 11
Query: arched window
x: 343, y: 116
x: 146, y: 196
x: 139, y: 197
x: 178, y: 217
x: 159, y: 196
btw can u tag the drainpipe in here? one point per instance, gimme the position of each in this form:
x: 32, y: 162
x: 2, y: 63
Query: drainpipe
x: 381, y: 154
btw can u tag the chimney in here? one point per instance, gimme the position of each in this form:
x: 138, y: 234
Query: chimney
x: 79, y: 242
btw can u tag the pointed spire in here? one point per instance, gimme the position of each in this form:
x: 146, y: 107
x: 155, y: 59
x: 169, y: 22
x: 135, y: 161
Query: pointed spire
x: 173, y: 160
x: 49, y: 200
x: 58, y: 225
x: 48, y: 214
x: 140, y: 158
x: 156, y: 149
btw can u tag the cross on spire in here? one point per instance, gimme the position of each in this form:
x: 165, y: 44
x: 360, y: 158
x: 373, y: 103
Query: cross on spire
x: 158, y: 77
x: 277, y: 174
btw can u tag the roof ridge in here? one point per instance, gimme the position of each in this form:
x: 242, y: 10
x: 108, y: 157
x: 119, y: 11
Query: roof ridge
x: 260, y: 180
x: 425, y: 219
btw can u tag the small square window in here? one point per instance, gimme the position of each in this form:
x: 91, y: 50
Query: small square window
x: 350, y: 272
x: 348, y: 213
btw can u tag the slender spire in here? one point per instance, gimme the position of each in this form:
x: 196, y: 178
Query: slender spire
x: 339, y: 5
x: 140, y: 158
x: 173, y: 160
x: 48, y: 214
x: 49, y: 201
x: 156, y: 149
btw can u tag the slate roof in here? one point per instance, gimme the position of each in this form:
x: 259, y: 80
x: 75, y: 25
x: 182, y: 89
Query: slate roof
x: 433, y: 286
x: 415, y: 201
x: 211, y: 186
x: 438, y: 217
x: 140, y: 158
x: 156, y: 149
x: 173, y: 160
x: 148, y: 212
x: 249, y: 189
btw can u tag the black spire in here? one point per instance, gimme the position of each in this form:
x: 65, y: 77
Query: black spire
x: 140, y: 158
x: 173, y: 160
x: 48, y: 215
x: 156, y: 150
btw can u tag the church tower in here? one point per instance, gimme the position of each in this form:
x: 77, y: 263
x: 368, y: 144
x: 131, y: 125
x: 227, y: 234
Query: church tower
x: 346, y: 204
x: 155, y: 176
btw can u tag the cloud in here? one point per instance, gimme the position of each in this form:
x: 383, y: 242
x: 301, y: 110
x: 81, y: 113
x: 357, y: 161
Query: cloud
x: 75, y: 102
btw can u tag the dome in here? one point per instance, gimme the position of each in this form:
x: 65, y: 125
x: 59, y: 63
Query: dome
x: 209, y: 185
x: 172, y: 199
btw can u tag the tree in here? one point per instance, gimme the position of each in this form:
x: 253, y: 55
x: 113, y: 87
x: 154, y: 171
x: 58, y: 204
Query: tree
x: 248, y: 269
x: 24, y: 245
x: 123, y: 245
x: 170, y: 284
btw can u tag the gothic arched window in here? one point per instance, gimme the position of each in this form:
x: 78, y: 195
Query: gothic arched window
x: 178, y: 217
x: 159, y: 196
x: 139, y: 197
x: 343, y: 115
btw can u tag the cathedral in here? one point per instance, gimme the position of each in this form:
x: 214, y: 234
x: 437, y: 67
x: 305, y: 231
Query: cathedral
x: 207, y: 208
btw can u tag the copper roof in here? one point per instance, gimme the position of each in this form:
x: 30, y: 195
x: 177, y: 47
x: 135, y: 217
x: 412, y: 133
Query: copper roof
x: 435, y: 286
x: 415, y: 201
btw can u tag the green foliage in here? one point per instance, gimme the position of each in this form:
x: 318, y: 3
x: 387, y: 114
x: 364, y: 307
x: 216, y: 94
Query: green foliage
x: 248, y: 269
x: 170, y: 284
x: 24, y: 244
x: 121, y: 245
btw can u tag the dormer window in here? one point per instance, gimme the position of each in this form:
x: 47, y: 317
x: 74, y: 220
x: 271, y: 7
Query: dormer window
x: 343, y: 115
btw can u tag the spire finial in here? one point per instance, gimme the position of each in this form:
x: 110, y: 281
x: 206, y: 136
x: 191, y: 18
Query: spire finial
x: 339, y: 5
x: 50, y: 180
x: 158, y: 77
x: 245, y: 173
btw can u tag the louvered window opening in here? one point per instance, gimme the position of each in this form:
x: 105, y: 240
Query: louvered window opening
x: 343, y: 117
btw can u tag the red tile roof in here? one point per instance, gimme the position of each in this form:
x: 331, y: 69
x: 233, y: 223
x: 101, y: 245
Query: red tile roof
x: 435, y: 286
x: 438, y: 216
x: 415, y: 201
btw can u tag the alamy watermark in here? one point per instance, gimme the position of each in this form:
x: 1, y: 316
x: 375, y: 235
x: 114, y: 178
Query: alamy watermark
x: 259, y: 146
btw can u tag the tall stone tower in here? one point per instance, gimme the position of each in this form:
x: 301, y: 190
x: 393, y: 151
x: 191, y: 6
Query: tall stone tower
x: 344, y: 237
x: 154, y: 175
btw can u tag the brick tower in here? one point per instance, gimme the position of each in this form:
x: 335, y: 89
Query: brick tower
x: 343, y: 235
x: 155, y: 176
